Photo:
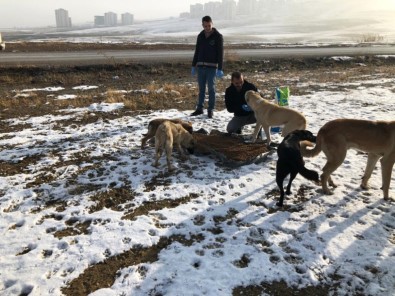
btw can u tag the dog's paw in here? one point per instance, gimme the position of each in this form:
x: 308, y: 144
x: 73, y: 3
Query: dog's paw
x: 364, y: 186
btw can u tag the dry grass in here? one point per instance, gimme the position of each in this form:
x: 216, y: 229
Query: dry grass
x: 168, y: 85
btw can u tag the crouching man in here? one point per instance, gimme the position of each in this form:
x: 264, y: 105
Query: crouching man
x: 236, y: 103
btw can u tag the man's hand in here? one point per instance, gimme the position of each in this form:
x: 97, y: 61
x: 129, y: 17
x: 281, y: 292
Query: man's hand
x: 193, y: 71
x: 220, y: 73
x: 245, y: 107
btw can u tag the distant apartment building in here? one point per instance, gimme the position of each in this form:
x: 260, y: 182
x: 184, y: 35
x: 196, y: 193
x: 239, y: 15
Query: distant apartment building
x: 213, y: 9
x: 196, y: 10
x: 110, y: 19
x: 127, y: 19
x: 229, y: 8
x: 216, y: 9
x: 246, y: 7
x: 62, y: 18
x: 99, y: 20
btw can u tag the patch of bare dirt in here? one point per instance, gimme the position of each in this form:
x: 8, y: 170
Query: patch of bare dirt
x: 103, y: 274
x: 280, y: 289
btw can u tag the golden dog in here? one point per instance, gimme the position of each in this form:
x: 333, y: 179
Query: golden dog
x: 269, y: 114
x: 153, y: 126
x: 377, y: 138
x: 169, y: 134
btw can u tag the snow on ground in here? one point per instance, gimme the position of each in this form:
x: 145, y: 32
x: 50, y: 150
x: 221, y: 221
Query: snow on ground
x: 346, y: 238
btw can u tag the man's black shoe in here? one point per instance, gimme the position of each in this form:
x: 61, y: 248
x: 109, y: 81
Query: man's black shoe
x: 197, y: 112
x: 210, y: 113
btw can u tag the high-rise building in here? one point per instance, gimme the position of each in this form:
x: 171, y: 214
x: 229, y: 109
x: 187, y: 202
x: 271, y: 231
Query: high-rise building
x: 246, y: 7
x: 99, y: 20
x: 127, y: 19
x: 197, y: 10
x: 229, y: 9
x: 62, y: 18
x: 213, y: 9
x: 110, y: 19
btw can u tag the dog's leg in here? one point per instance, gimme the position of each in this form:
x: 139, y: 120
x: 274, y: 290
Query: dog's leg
x: 370, y: 164
x: 267, y: 133
x: 158, y: 153
x: 387, y: 163
x: 281, y: 174
x: 333, y: 162
x: 169, y: 150
x: 181, y: 150
x: 285, y: 131
x: 291, y: 178
x: 256, y: 131
x: 144, y: 140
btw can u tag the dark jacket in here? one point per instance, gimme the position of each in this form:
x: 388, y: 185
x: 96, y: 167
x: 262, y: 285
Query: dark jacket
x: 209, y: 51
x: 234, y: 99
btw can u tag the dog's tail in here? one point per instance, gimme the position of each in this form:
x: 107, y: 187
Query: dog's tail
x: 311, y: 152
x: 309, y: 174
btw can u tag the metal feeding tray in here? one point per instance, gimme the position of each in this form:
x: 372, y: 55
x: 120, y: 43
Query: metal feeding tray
x: 232, y: 150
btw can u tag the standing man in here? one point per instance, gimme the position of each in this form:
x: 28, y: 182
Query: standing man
x: 236, y: 103
x: 207, y: 62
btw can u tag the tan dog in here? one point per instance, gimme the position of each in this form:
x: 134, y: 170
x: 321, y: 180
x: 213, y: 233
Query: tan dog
x: 269, y: 114
x: 153, y: 126
x: 377, y: 138
x: 169, y: 134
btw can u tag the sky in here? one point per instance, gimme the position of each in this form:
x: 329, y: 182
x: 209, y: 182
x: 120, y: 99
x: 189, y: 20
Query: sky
x: 29, y: 13
x: 347, y: 237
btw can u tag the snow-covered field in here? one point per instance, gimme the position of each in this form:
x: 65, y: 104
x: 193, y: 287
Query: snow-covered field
x: 235, y: 234
x: 283, y: 29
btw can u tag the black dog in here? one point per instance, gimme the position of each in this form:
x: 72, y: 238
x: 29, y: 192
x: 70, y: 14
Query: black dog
x: 290, y: 161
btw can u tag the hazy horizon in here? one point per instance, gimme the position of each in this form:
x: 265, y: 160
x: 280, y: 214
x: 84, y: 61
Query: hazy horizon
x: 28, y: 13
x: 42, y: 13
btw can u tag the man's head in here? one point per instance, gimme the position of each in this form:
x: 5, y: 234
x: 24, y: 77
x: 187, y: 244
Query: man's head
x: 237, y: 80
x: 207, y: 24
